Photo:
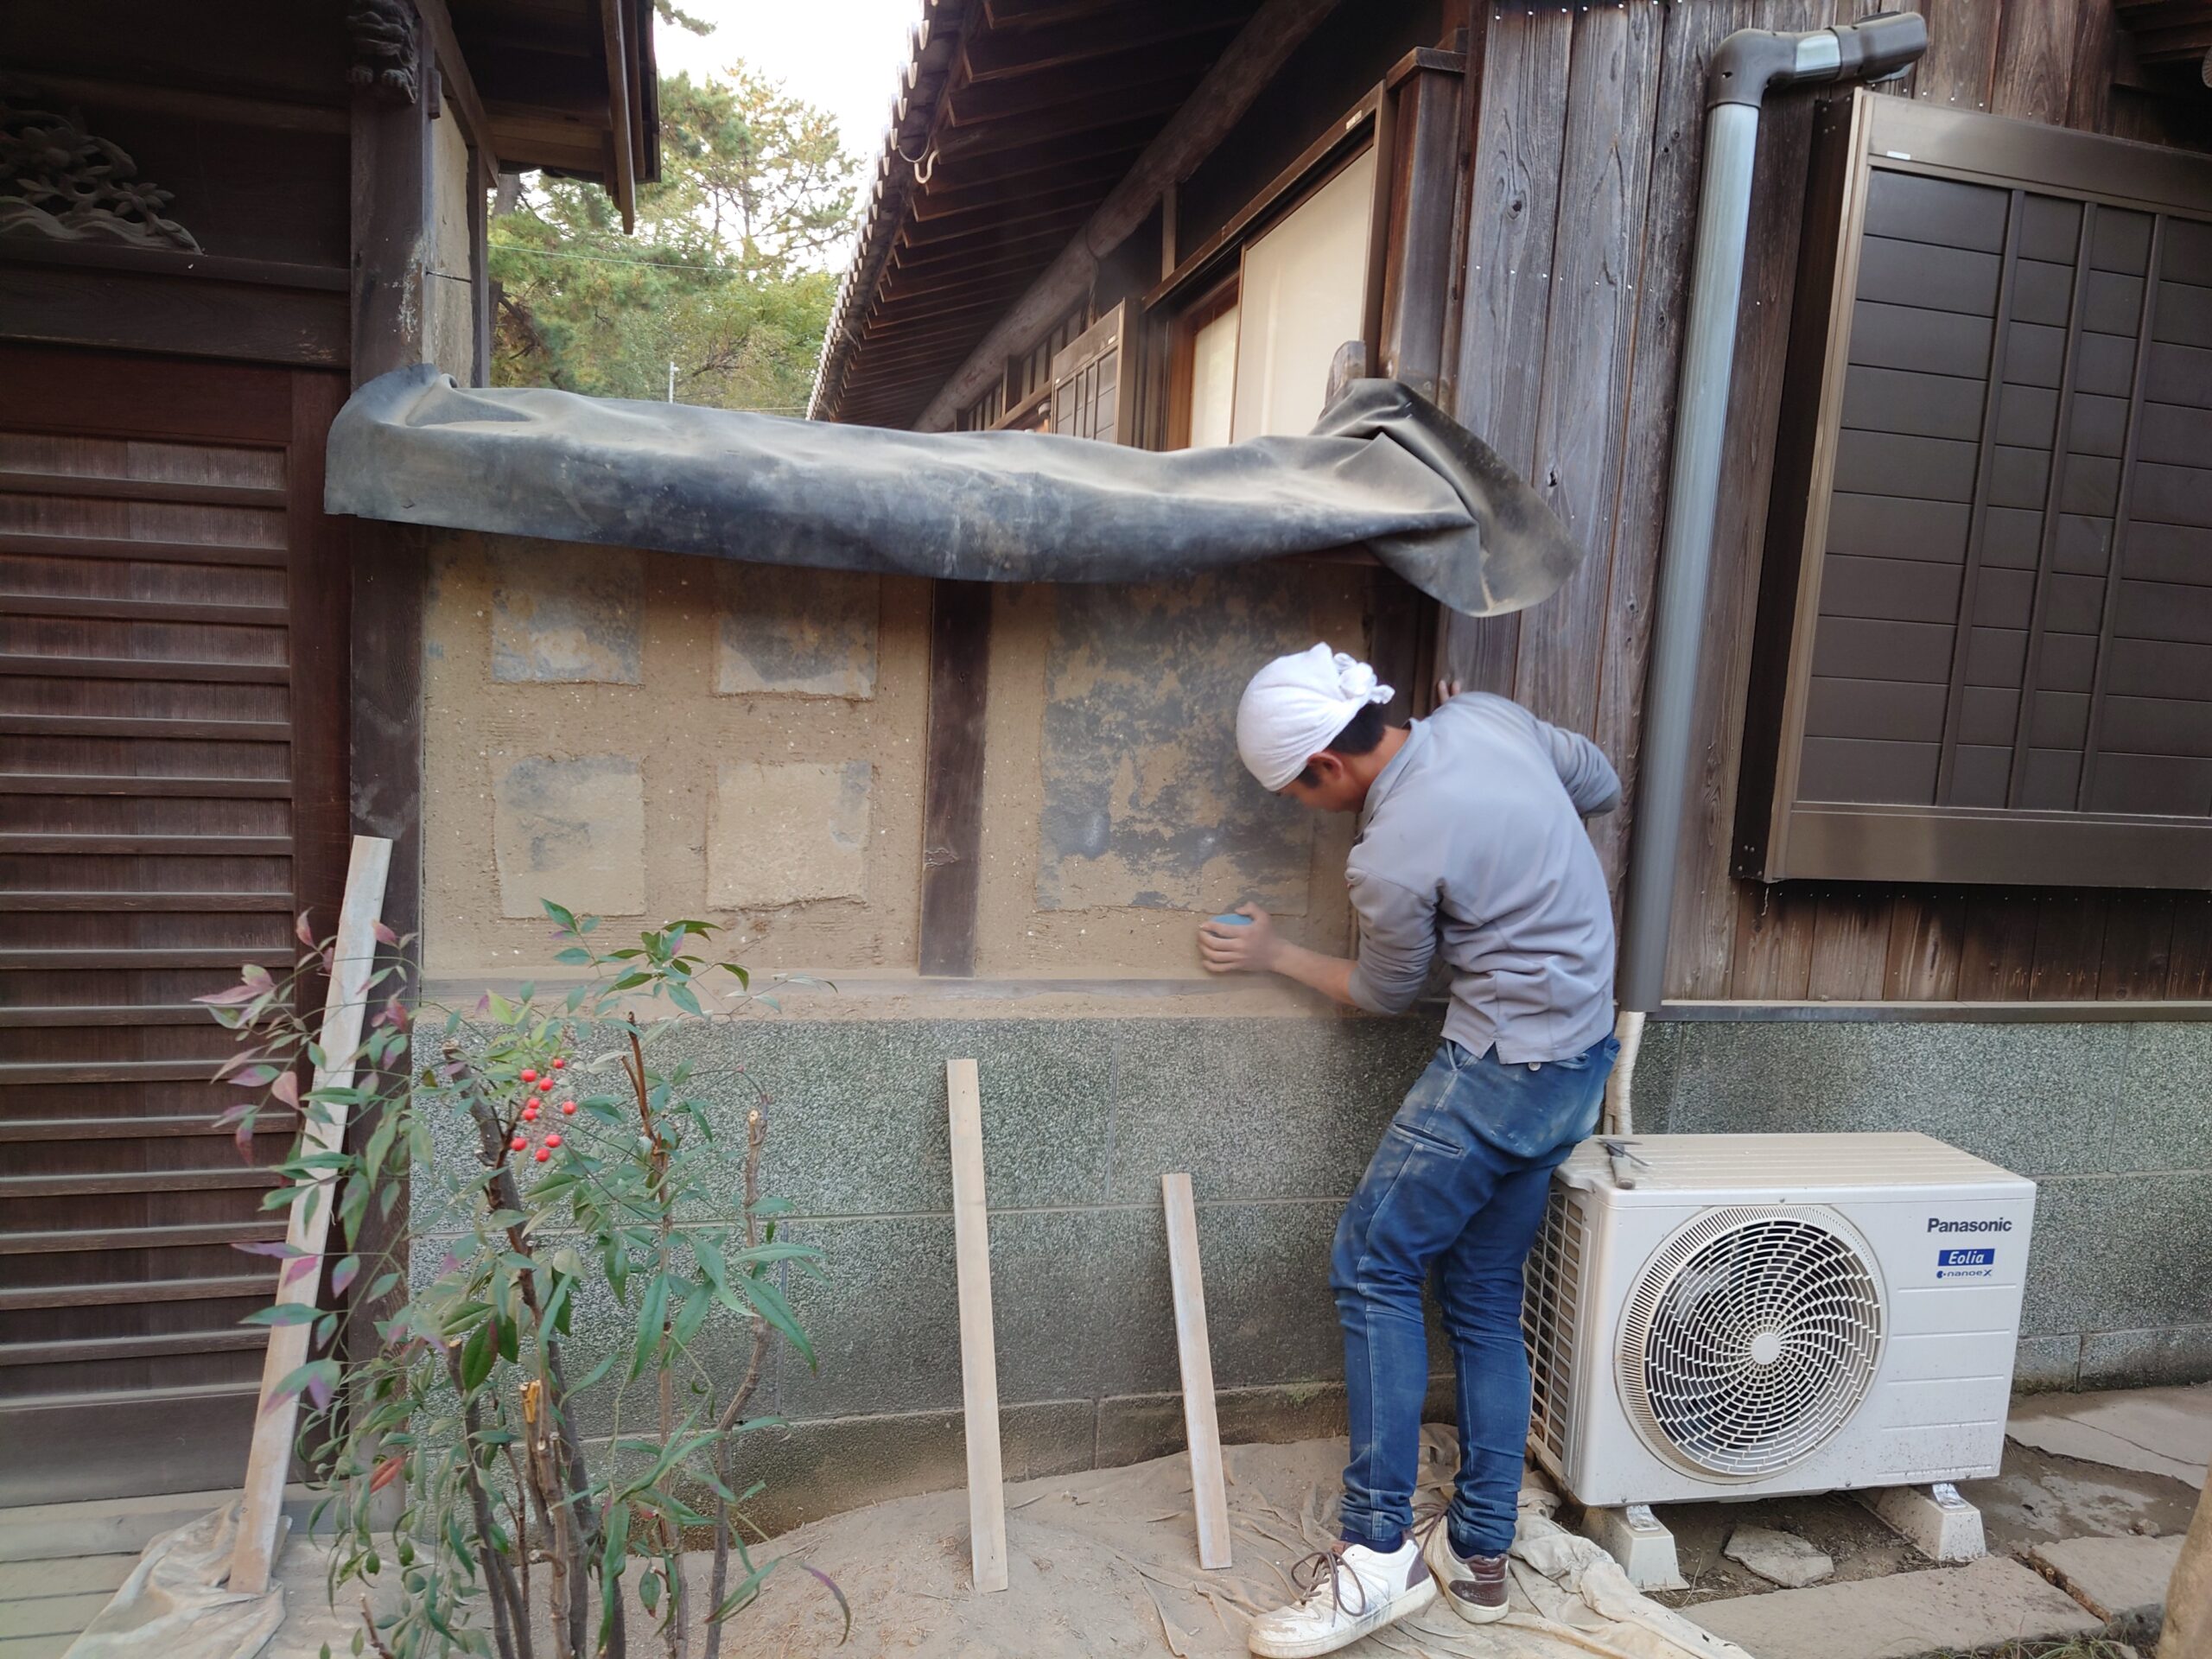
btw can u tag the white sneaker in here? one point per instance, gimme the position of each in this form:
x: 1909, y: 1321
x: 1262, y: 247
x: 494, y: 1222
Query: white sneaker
x: 1349, y: 1590
x: 1475, y: 1587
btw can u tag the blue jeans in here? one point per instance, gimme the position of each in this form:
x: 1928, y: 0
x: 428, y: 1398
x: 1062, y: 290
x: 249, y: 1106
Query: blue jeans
x: 1459, y: 1185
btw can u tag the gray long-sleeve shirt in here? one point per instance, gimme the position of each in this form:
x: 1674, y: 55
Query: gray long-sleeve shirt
x: 1472, y: 841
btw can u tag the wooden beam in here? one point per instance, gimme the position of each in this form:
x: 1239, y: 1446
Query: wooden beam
x: 1008, y: 281
x: 1209, y: 1494
x: 987, y: 196
x: 483, y: 174
x: 1000, y: 53
x: 1135, y: 75
x: 277, y: 114
x: 965, y: 245
x: 952, y: 775
x: 621, y: 143
x: 940, y: 310
x: 392, y: 216
x: 389, y: 584
x: 979, y: 1371
x: 346, y: 1002
x: 1008, y: 207
x: 933, y: 272
x: 1214, y: 107
x: 1127, y: 140
x: 1069, y: 118
x: 935, y: 348
x: 974, y: 248
x: 1425, y: 183
x: 63, y: 304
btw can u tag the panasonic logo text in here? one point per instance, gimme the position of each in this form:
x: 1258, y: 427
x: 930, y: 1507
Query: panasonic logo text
x: 2000, y: 1224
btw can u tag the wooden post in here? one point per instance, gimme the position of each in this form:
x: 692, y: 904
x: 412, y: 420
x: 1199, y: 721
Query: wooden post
x: 393, y: 207
x: 1209, y: 1494
x: 342, y: 1011
x: 953, y: 776
x: 979, y: 1372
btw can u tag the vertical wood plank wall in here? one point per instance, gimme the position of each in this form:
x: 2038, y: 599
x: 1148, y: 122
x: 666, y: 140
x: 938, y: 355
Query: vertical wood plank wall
x: 1587, y: 146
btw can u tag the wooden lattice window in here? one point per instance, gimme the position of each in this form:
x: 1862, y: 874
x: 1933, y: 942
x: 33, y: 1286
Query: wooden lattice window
x: 1087, y: 401
x: 1986, y: 647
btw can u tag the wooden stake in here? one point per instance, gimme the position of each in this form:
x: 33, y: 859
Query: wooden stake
x: 1209, y: 1494
x: 354, y: 958
x: 979, y: 1371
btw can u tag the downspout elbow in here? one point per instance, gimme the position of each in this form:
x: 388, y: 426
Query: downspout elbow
x: 1753, y: 62
x: 1750, y: 63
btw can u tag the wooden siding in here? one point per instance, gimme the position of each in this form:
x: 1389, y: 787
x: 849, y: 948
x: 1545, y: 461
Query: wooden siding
x: 172, y: 748
x: 1586, y: 145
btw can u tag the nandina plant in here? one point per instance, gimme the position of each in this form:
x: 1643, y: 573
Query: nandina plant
x: 557, y: 1154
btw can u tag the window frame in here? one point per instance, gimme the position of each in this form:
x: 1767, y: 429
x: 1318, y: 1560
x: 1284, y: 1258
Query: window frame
x: 1781, y: 836
x: 1183, y: 328
x: 1194, y: 293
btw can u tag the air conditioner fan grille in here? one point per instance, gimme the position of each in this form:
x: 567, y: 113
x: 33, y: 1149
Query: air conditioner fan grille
x: 1750, y: 1338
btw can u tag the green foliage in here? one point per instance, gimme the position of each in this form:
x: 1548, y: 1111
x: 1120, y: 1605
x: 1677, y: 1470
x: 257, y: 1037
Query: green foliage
x: 451, y: 1456
x: 725, y: 276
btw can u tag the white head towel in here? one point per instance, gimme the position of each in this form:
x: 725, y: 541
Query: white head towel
x: 1294, y: 707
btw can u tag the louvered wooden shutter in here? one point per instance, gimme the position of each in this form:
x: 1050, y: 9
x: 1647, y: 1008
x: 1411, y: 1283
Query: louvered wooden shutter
x: 172, y: 790
x: 1986, y: 637
x: 1087, y: 376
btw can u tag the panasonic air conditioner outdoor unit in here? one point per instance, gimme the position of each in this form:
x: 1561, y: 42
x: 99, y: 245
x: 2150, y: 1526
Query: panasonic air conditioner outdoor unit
x: 1761, y: 1314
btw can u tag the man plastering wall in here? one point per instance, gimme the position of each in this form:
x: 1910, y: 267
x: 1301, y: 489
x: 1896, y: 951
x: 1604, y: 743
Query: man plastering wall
x: 1471, y: 840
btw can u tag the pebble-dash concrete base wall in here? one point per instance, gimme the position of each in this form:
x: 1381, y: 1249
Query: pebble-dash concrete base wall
x: 1274, y: 1120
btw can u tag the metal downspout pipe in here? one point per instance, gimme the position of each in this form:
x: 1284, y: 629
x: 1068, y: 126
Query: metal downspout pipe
x: 1749, y: 64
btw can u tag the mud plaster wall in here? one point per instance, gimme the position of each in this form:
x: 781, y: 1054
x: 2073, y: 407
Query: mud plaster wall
x: 1119, y: 814
x: 645, y: 736
x: 648, y: 736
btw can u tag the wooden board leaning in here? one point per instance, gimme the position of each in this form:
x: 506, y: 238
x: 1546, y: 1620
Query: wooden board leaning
x: 1208, y: 1492
x: 342, y: 1012
x: 979, y: 1379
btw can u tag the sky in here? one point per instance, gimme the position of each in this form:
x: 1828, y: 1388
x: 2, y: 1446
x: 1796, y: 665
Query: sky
x: 844, y: 55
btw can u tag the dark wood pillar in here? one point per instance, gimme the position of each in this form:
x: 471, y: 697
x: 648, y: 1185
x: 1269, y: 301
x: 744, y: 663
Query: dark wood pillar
x: 952, y: 779
x: 392, y: 189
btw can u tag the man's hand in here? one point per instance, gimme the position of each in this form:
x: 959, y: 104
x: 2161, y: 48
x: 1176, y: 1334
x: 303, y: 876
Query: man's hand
x: 1227, y: 948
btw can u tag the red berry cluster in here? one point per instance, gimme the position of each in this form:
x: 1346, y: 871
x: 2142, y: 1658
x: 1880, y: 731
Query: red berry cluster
x: 540, y: 1084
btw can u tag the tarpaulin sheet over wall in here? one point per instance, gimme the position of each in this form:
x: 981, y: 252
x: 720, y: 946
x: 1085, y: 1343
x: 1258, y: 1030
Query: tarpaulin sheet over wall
x: 1384, y: 470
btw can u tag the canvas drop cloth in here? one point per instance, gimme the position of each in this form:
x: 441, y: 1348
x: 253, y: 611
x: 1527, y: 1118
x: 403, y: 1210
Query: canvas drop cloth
x: 172, y: 1605
x: 1105, y: 1563
x: 1102, y: 1565
x: 1385, y: 470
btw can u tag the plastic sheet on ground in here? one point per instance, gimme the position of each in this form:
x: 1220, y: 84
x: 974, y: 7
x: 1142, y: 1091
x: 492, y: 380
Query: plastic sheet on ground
x: 1104, y: 1563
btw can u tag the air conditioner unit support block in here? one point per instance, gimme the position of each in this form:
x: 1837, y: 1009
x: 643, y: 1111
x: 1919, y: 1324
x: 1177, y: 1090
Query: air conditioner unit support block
x: 1632, y: 1536
x: 1935, y: 1520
